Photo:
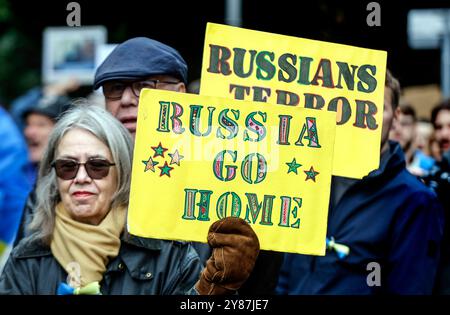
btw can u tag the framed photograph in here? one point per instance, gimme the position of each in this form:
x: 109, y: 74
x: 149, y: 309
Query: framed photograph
x: 70, y: 52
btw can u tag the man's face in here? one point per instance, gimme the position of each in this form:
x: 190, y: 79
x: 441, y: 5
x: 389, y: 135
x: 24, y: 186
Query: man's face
x: 442, y: 130
x: 424, y: 131
x: 388, y: 118
x: 37, y: 131
x: 125, y: 107
x: 403, y: 130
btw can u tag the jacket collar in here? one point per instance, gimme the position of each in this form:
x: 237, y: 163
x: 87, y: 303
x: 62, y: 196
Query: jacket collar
x: 147, y: 243
x: 29, y: 249
x: 393, y: 160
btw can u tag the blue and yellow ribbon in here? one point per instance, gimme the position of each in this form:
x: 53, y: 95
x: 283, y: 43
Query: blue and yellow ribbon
x: 341, y: 250
x: 92, y: 288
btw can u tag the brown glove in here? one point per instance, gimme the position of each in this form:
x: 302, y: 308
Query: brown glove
x: 235, y: 249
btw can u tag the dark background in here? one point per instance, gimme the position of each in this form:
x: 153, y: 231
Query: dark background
x: 182, y: 24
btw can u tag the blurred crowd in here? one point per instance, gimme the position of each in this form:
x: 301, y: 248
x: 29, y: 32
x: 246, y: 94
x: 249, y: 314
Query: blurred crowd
x: 396, y: 216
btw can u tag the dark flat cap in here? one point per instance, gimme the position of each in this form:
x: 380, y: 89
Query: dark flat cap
x: 138, y: 58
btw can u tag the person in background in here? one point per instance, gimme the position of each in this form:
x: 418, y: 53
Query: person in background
x: 78, y: 242
x: 388, y: 220
x: 14, y: 186
x: 405, y: 131
x: 440, y: 118
x: 47, y: 93
x: 39, y: 123
x: 424, y: 131
x: 433, y: 147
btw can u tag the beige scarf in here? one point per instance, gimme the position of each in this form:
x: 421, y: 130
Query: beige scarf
x: 84, y: 250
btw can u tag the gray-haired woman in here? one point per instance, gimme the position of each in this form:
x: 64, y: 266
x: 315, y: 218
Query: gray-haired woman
x: 78, y: 242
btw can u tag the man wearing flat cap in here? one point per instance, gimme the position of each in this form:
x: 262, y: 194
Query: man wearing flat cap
x: 136, y: 64
x: 145, y: 63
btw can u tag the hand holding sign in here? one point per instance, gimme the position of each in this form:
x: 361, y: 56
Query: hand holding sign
x: 235, y: 249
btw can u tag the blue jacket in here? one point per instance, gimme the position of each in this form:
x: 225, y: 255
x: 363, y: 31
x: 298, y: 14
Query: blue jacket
x: 14, y: 184
x: 390, y: 218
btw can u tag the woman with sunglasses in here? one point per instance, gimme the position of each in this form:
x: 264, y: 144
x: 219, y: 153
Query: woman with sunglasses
x: 78, y: 243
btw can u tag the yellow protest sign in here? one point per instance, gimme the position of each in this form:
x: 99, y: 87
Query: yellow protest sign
x: 198, y: 159
x: 250, y: 65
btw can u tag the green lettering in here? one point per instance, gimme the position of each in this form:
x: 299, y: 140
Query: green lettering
x: 218, y: 60
x: 238, y: 65
x: 265, y: 68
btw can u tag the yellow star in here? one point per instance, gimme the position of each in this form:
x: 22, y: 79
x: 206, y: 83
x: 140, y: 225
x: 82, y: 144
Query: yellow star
x: 149, y: 164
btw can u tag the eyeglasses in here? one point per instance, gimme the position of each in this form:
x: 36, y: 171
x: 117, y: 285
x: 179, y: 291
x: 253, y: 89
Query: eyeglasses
x: 68, y: 169
x: 113, y: 90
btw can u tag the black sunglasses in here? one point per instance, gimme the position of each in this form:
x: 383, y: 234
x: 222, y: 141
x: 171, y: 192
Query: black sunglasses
x: 68, y: 169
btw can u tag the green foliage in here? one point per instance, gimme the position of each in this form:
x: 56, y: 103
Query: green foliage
x: 16, y: 76
x: 5, y: 11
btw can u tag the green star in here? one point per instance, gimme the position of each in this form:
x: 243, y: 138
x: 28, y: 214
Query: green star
x: 165, y: 169
x: 150, y: 164
x: 311, y: 174
x: 159, y: 150
x: 293, y: 166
